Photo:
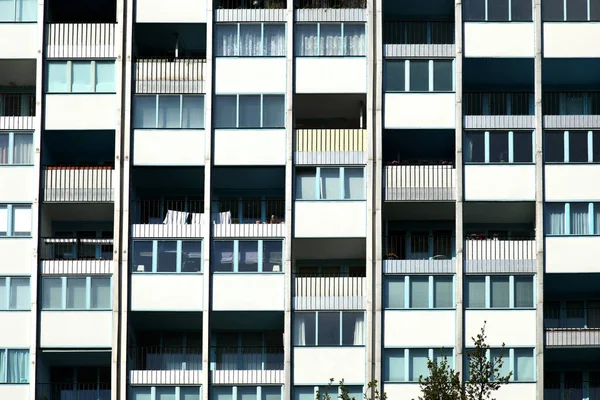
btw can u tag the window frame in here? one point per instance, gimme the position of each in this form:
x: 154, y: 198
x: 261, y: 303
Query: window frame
x: 341, y: 331
x: 565, y: 16
x: 152, y: 388
x: 4, y: 360
x: 407, y: 288
x: 508, y: 357
x: 8, y: 291
x: 342, y: 37
x: 509, y: 6
x: 236, y: 261
x: 333, y: 395
x: 179, y: 255
x: 567, y: 144
x: 11, y: 147
x: 593, y: 213
x: 261, y: 115
x: 431, y: 354
x: 431, y: 76
x: 262, y: 38
x: 10, y: 208
x: 157, y: 112
x: 69, y: 67
x: 511, y: 147
x: 88, y: 292
x: 341, y: 177
x: 511, y: 292
x: 18, y: 4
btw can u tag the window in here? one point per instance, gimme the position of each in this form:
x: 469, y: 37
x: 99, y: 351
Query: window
x: 16, y: 148
x: 250, y: 40
x: 499, y: 291
x: 499, y: 147
x: 575, y: 10
x: 330, y: 39
x: 169, y: 111
x: 419, y: 291
x: 167, y: 256
x: 423, y: 76
x: 246, y: 393
x: 247, y: 256
x: 80, y: 77
x: 395, y: 365
x: 166, y: 393
x: 15, y: 220
x: 498, y: 10
x: 323, y: 328
x: 76, y: 293
x: 14, y: 293
x: 18, y: 10
x: 572, y: 146
x: 249, y: 111
x: 14, y: 365
x: 310, y: 392
x: 572, y: 218
x: 330, y: 183
x: 518, y: 360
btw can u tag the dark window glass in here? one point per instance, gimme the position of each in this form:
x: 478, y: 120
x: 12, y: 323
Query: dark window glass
x: 416, y: 33
x: 596, y: 149
x: 473, y: 103
x: 249, y: 111
x: 497, y: 10
x: 594, y: 10
x: 499, y: 147
x: 521, y: 10
x: 498, y: 103
x: 552, y: 10
x: 167, y: 256
x: 419, y: 76
x: 394, y: 76
x: 475, y: 149
x: 554, y: 148
x: 578, y: 149
x: 523, y: 147
x: 329, y: 328
x: 442, y: 75
x: 577, y: 10
x: 474, y: 10
x: 142, y: 256
x: 594, y: 103
x: 521, y: 104
x: 222, y: 258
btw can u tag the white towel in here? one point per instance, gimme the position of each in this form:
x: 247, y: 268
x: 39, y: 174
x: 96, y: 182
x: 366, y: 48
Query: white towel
x: 176, y: 217
x: 222, y: 217
x: 226, y: 257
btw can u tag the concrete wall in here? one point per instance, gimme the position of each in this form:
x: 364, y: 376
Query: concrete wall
x: 499, y: 39
x: 76, y: 329
x: 419, y: 111
x: 177, y: 11
x: 414, y: 328
x: 168, y: 147
x: 571, y: 39
x: 185, y: 292
x: 572, y: 254
x: 500, y: 182
x: 331, y: 75
x: 250, y: 75
x: 248, y: 292
x: 319, y: 364
x: 330, y: 219
x: 80, y: 111
x: 249, y: 147
x: 572, y: 182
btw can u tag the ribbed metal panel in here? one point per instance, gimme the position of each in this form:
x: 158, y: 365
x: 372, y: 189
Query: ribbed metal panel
x: 78, y: 185
x: 573, y: 337
x: 164, y: 76
x: 331, y: 15
x: 251, y: 15
x: 497, y: 256
x: 329, y: 293
x: 77, y: 267
x: 419, y: 50
x: 81, y: 40
x: 419, y: 266
x: 330, y: 157
x: 500, y: 266
x: 499, y: 122
x: 249, y: 230
x: 253, y: 377
x: 170, y: 377
x: 167, y: 230
x: 17, y: 123
x: 419, y: 183
x: 571, y: 121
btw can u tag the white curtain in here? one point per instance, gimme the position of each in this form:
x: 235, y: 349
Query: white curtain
x: 359, y: 329
x: 579, y: 219
x: 306, y: 39
x: 354, y: 40
x: 227, y: 40
x: 274, y: 40
x: 300, y: 329
x: 250, y: 40
x: 555, y: 219
x: 18, y: 366
x: 23, y: 153
x: 331, y: 40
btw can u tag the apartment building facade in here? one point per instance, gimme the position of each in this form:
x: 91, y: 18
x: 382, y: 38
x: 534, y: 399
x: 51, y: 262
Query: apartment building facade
x: 242, y: 199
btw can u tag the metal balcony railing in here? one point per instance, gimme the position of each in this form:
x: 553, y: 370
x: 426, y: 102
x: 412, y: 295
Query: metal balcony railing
x: 73, y: 391
x: 572, y: 326
x: 515, y: 250
x: 331, y: 3
x: 249, y: 4
x: 81, y: 40
x: 247, y: 358
x: 499, y: 103
x: 17, y: 104
x: 248, y: 211
x: 572, y: 337
x: 76, y: 249
x: 160, y: 75
x: 572, y: 390
x: 418, y: 32
x: 571, y: 103
x: 167, y: 212
x: 156, y: 358
x: 419, y: 182
x: 78, y: 184
x: 328, y: 292
x: 419, y: 247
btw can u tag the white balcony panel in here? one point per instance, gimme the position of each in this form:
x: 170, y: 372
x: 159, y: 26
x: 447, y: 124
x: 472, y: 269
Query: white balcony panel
x: 168, y: 230
x: 17, y: 256
x: 76, y: 329
x: 572, y: 182
x: 499, y: 39
x: 572, y: 254
x: 420, y: 111
x: 329, y: 293
x: 185, y: 292
x: 499, y: 255
x: 62, y: 184
x: 425, y: 331
x: 168, y: 147
x: 249, y: 147
x: 248, y: 292
x: 169, y: 377
x: 330, y: 219
x: 314, y: 365
x: 14, y: 391
x: 513, y: 327
x: 81, y: 40
x: 249, y: 230
x: 512, y: 391
x: 20, y: 181
x: 17, y: 329
x: 80, y: 111
x: 173, y: 11
x: 245, y: 377
x: 331, y: 75
x: 17, y: 123
x: 250, y: 75
x: 499, y: 182
x: 402, y: 391
x: 77, y: 267
x: 18, y: 40
x: 571, y: 39
x: 161, y: 75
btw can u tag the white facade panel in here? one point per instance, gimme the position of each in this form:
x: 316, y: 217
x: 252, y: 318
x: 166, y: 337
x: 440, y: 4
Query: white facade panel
x: 572, y: 254
x: 18, y: 40
x: 81, y: 111
x: 330, y: 219
x: 168, y: 147
x: 316, y: 365
x: 402, y: 391
x: 17, y: 329
x: 173, y: 11
x: 250, y: 75
x: 20, y: 181
x: 249, y: 147
x: 499, y: 39
x: 185, y: 292
x: 248, y: 292
x: 14, y: 392
x: 420, y: 111
x: 512, y: 391
x: 76, y: 329
x: 500, y: 182
x: 571, y: 39
x: 572, y: 182
x: 331, y: 75
x: 512, y: 327
x: 425, y: 331
x: 16, y: 256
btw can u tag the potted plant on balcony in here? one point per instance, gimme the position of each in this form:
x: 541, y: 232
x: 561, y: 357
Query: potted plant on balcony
x: 391, y: 256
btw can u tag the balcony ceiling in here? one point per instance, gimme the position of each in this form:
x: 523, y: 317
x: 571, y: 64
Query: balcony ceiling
x: 155, y: 39
x: 571, y: 74
x: 491, y: 73
x: 499, y: 212
x: 411, y: 9
x: 17, y: 72
x: 333, y: 249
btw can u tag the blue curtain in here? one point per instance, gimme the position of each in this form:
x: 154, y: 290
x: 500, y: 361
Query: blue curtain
x: 18, y: 366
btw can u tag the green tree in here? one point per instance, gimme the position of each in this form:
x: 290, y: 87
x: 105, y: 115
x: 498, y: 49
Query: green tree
x: 442, y: 383
x: 372, y: 392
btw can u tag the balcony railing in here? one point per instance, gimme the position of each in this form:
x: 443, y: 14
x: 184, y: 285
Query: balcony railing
x: 419, y: 247
x: 418, y: 32
x: 500, y: 255
x: 248, y: 211
x: 330, y: 146
x: 167, y: 218
x: 572, y: 390
x: 76, y: 249
x: 157, y: 75
x: 419, y: 182
x: 154, y: 358
x: 331, y: 3
x: 81, y: 40
x: 480, y: 103
x: 572, y: 337
x: 571, y: 109
x: 247, y: 358
x: 17, y: 104
x: 329, y: 292
x: 249, y: 4
x: 73, y: 391
x: 78, y: 184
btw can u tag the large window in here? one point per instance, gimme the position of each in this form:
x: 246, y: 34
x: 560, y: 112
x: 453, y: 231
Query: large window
x: 15, y: 220
x: 250, y: 40
x: 330, y: 183
x: 329, y: 328
x: 570, y: 10
x: 418, y: 291
x: 572, y: 146
x: 419, y: 76
x: 499, y: 147
x: 76, y: 293
x: 330, y: 39
x: 572, y: 218
x: 518, y: 360
x: 18, y: 10
x: 247, y: 256
x: 499, y: 291
x: 14, y: 293
x: 498, y: 103
x: 14, y: 365
x: 407, y: 365
x: 80, y: 76
x: 334, y: 391
x: 167, y: 256
x: 16, y: 148
x: 572, y: 314
x: 167, y: 393
x: 498, y: 10
x: 246, y: 393
x: 166, y: 111
x: 249, y: 111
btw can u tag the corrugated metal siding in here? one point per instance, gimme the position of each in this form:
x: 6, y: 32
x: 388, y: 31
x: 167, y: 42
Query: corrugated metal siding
x: 254, y: 377
x: 252, y: 15
x: 419, y: 50
x: 167, y: 230
x: 499, y: 122
x: 164, y: 76
x: 331, y: 15
x: 419, y: 266
x: 77, y: 267
x: 79, y: 185
x: 329, y: 293
x: 325, y: 140
x: 573, y: 337
x: 419, y: 183
x: 17, y: 123
x: 249, y: 230
x: 81, y: 41
x: 571, y: 121
x: 330, y: 157
x: 170, y: 377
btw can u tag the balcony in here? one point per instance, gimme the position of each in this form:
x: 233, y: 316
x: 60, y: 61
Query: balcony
x: 419, y: 254
x: 165, y: 365
x: 76, y: 255
x: 572, y: 337
x: 247, y: 365
x: 574, y: 326
x: 250, y: 10
x: 330, y: 146
x: 70, y: 390
x: 17, y: 111
x: 418, y: 39
x: 571, y: 110
x: 168, y: 218
x: 249, y: 218
x: 484, y: 110
x: 81, y: 40
x: 324, y: 292
x: 330, y: 10
x: 180, y: 76
x: 419, y: 183
x: 578, y: 390
x: 500, y: 255
x: 80, y: 184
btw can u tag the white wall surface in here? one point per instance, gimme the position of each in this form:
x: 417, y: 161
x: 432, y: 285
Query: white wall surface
x: 572, y: 254
x: 315, y: 365
x: 330, y: 219
x: 499, y: 39
x: 331, y: 75
x: 16, y: 331
x: 414, y: 328
x: 420, y: 110
x: 16, y: 256
x: 249, y: 147
x: 571, y: 39
x: 76, y: 329
x: 149, y: 292
x: 181, y: 11
x: 80, y: 111
x: 20, y: 181
x: 168, y: 146
x: 250, y: 75
x: 516, y: 391
x: 18, y: 40
x: 500, y: 182
x: 572, y: 182
x: 241, y: 292
x: 513, y: 327
x: 14, y: 392
x: 402, y: 391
